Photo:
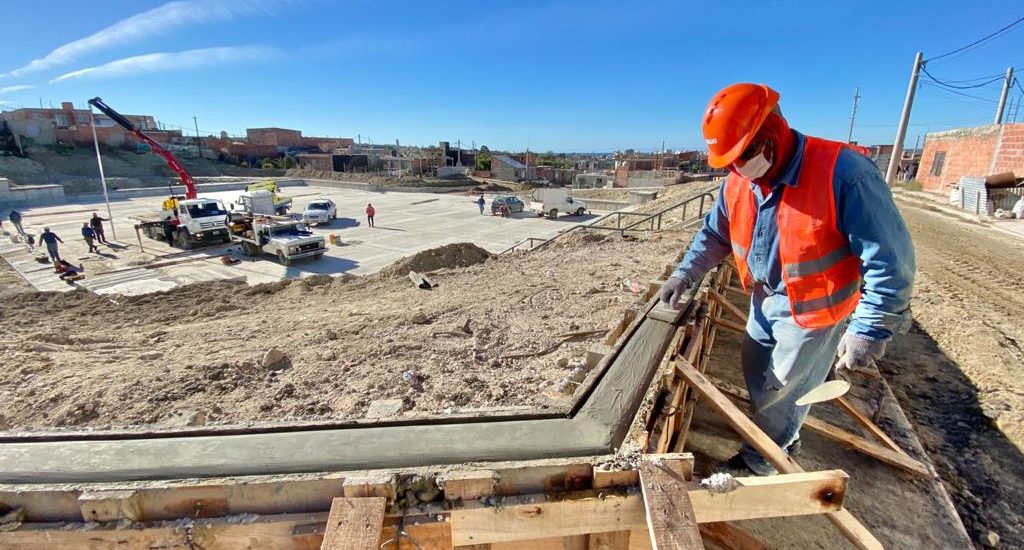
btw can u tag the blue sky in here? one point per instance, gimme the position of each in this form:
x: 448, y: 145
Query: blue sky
x: 563, y: 76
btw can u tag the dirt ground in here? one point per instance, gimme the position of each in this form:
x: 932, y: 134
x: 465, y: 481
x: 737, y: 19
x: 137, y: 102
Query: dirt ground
x: 196, y: 354
x: 957, y: 374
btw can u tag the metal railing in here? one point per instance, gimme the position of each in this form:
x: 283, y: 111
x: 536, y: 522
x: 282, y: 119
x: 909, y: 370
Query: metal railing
x: 654, y: 222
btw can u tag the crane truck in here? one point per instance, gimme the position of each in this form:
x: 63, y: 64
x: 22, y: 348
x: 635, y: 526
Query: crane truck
x: 185, y: 221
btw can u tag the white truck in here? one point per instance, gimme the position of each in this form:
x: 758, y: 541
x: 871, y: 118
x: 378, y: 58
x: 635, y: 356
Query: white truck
x: 187, y: 222
x: 553, y: 200
x: 259, y: 231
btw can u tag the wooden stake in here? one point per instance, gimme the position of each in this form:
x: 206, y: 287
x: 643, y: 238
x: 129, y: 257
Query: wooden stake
x: 354, y: 524
x: 670, y: 518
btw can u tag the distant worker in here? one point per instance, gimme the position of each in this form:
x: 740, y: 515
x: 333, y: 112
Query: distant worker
x: 504, y: 210
x: 97, y: 226
x: 370, y: 213
x: 169, y: 234
x: 15, y: 218
x: 51, y: 239
x: 89, y: 234
x: 481, y: 203
x: 817, y: 241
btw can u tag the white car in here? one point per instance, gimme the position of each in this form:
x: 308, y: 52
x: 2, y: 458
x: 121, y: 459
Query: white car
x: 320, y: 211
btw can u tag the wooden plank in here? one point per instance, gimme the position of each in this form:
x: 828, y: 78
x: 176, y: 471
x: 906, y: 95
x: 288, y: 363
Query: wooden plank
x: 843, y: 437
x: 639, y: 540
x: 422, y: 535
x: 670, y: 517
x: 354, y: 524
x: 733, y: 326
x: 730, y: 537
x: 616, y: 540
x: 867, y: 424
x: 534, y: 516
x: 854, y: 531
x: 111, y: 505
x: 729, y: 306
x: 469, y: 485
x: 383, y: 485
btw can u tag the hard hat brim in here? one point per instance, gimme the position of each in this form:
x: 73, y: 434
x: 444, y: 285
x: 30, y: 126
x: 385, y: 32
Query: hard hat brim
x: 725, y: 159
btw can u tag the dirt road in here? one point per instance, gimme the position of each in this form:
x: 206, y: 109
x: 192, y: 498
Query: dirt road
x: 958, y: 373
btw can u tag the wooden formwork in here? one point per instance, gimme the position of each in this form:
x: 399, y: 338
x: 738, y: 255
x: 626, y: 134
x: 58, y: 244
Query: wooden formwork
x: 628, y: 501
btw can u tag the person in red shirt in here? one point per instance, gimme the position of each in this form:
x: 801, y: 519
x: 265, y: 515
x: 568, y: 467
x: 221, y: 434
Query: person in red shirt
x: 370, y: 212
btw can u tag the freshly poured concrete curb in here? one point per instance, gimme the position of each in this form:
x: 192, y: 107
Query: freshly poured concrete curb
x: 598, y: 427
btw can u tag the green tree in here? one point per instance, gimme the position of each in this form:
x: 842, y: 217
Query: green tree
x: 289, y: 162
x: 267, y: 163
x: 483, y: 161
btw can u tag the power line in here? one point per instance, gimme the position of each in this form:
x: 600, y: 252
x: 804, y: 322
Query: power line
x: 948, y: 85
x: 980, y: 40
x: 958, y: 93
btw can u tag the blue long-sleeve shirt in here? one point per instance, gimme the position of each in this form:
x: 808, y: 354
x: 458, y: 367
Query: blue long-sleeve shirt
x: 865, y: 213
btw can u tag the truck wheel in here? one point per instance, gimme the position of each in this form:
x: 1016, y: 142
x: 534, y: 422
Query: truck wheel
x: 249, y: 249
x: 282, y: 258
x: 318, y: 256
x: 553, y: 214
x: 181, y: 237
x: 580, y: 211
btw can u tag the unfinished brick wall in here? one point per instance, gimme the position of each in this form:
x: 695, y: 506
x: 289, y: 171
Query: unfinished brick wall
x: 969, y: 152
x: 1010, y: 155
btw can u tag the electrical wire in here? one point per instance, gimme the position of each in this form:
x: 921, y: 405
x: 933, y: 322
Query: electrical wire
x: 953, y: 86
x: 1017, y: 83
x: 959, y: 93
x: 979, y: 41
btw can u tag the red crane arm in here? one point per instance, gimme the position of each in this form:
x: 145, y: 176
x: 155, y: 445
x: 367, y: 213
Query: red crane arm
x: 172, y: 163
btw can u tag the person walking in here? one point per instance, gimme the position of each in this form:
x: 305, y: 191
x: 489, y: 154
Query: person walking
x: 819, y: 244
x: 15, y: 218
x: 370, y: 213
x: 96, y: 222
x: 50, y: 239
x: 481, y: 202
x: 89, y: 234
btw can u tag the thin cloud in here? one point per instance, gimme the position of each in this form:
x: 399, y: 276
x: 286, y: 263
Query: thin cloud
x: 12, y: 89
x: 176, y: 61
x: 159, y: 20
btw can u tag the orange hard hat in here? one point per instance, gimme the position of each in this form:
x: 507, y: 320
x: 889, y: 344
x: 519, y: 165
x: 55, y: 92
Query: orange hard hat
x: 733, y: 118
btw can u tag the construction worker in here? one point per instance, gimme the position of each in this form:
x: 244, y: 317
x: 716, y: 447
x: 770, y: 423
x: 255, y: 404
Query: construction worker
x: 96, y: 222
x: 481, y: 202
x: 370, y: 213
x: 15, y: 218
x: 89, y: 234
x: 819, y: 245
x: 51, y: 239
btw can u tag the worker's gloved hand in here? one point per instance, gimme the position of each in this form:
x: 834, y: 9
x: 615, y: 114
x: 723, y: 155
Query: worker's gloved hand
x: 858, y: 353
x: 673, y: 290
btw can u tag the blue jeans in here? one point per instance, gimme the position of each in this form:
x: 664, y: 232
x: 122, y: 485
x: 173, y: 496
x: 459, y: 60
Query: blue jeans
x: 781, y: 362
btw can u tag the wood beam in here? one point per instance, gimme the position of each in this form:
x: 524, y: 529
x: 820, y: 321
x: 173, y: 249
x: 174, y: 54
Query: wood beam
x: 535, y: 516
x: 729, y: 306
x: 852, y: 528
x: 730, y: 537
x: 866, y: 423
x: 731, y: 325
x: 671, y: 521
x: 354, y: 524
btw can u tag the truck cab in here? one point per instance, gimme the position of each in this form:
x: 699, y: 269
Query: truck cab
x: 551, y: 201
x: 287, y: 239
x: 188, y: 222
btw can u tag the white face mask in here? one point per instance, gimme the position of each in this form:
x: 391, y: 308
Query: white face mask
x: 755, y: 167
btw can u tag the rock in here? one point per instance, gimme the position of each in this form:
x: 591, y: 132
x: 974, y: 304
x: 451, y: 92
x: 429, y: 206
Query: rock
x: 330, y: 334
x: 274, y: 359
x: 385, y: 408
x: 4, y: 424
x: 150, y: 356
x: 328, y: 355
x: 562, y: 362
x: 989, y: 540
x: 419, y: 318
x: 184, y: 419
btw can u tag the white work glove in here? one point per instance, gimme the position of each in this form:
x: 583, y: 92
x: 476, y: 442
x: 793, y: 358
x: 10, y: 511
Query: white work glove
x: 858, y: 353
x: 673, y: 290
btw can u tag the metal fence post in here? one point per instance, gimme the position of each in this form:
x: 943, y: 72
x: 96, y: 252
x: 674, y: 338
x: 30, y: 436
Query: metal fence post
x: 977, y: 204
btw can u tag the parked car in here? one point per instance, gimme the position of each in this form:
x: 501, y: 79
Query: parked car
x: 320, y: 211
x: 513, y: 202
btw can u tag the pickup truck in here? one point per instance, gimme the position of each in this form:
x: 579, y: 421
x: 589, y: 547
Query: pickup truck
x: 553, y: 200
x: 286, y: 238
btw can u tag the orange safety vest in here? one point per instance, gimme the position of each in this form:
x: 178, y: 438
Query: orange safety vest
x: 822, y: 275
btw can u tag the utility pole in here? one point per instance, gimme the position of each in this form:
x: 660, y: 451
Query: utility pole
x: 853, y: 115
x: 1002, y: 98
x: 199, y: 145
x: 103, y: 179
x: 901, y: 131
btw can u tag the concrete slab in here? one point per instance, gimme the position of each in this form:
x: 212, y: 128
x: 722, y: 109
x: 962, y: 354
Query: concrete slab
x: 406, y: 223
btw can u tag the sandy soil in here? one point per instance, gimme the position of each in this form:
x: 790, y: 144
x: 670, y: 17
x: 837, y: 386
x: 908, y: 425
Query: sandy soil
x: 83, y: 360
x: 957, y: 374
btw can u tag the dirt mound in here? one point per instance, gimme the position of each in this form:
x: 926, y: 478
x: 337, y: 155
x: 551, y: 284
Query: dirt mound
x: 448, y: 256
x: 581, y: 237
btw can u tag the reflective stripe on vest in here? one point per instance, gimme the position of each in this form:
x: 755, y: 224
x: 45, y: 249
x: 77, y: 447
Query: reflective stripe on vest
x: 821, y: 274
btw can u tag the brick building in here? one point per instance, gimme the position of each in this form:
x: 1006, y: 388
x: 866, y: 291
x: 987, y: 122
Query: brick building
x: 71, y: 126
x: 278, y: 137
x: 979, y: 151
